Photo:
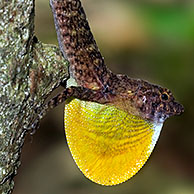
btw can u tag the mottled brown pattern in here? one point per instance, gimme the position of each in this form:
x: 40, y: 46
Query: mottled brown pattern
x: 78, y: 45
x: 96, y: 82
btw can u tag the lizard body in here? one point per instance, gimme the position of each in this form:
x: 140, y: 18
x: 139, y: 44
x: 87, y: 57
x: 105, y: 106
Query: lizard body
x: 112, y: 122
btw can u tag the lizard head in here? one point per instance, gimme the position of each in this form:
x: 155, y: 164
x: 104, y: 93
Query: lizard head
x: 155, y: 103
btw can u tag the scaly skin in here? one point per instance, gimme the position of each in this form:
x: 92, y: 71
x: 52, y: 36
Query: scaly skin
x: 88, y: 68
x: 115, y: 121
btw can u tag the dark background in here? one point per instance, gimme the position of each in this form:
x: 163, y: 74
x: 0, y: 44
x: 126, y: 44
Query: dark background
x: 152, y: 40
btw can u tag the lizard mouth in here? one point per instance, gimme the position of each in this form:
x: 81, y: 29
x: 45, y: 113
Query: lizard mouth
x: 160, y: 115
x: 175, y: 109
x: 178, y: 108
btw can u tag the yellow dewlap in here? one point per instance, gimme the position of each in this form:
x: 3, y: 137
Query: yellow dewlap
x: 108, y: 145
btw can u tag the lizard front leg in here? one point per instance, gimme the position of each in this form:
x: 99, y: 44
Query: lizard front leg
x: 75, y: 92
x: 78, y: 92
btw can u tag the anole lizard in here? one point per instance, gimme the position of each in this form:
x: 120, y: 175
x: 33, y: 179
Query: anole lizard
x: 112, y: 122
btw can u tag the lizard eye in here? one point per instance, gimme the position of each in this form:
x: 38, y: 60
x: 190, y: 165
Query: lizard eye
x: 164, y: 96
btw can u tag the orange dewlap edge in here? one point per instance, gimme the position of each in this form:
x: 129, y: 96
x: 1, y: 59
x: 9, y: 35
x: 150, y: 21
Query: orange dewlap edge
x: 108, y: 145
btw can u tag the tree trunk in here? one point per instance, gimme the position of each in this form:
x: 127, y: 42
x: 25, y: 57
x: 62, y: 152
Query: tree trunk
x: 29, y: 72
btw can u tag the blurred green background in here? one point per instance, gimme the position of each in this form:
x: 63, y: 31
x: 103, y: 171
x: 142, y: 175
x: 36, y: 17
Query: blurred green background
x: 152, y: 40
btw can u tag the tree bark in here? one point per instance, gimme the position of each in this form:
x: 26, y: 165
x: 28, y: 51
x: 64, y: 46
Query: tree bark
x: 29, y: 72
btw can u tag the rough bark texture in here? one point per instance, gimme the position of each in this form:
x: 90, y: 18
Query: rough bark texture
x: 29, y: 71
